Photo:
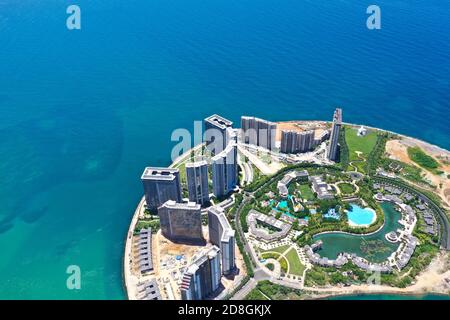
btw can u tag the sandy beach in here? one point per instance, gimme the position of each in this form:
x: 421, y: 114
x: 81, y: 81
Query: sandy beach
x: 130, y: 280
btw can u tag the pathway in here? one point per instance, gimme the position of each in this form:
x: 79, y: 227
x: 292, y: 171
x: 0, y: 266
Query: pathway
x: 361, y: 159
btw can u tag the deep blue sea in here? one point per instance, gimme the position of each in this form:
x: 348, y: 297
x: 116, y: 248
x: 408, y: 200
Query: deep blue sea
x: 82, y: 112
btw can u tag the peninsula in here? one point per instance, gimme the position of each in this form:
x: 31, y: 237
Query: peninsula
x: 292, y: 210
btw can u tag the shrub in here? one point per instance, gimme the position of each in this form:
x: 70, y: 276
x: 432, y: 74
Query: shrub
x: 422, y: 159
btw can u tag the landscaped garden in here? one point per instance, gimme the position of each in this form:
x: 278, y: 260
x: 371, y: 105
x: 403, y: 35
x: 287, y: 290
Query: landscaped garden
x: 266, y: 290
x: 295, y: 265
x: 306, y: 212
x: 152, y: 223
x: 359, y: 148
x: 289, y: 263
x: 346, y: 188
x: 367, y: 154
x: 407, y: 171
x: 363, y: 144
x: 280, y: 249
x: 306, y: 191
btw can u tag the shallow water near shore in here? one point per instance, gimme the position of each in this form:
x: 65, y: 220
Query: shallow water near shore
x: 83, y: 112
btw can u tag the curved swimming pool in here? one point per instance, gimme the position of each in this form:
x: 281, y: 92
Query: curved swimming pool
x: 359, y: 217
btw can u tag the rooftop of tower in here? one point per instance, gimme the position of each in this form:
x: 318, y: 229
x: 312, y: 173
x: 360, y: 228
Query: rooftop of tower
x: 219, y: 121
x: 259, y: 119
x: 158, y: 173
x: 337, y: 117
x: 201, y: 257
x: 195, y: 164
x: 171, y: 204
x: 228, y: 230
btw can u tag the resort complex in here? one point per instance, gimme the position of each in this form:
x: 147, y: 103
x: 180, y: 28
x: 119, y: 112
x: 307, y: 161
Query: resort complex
x: 319, y: 208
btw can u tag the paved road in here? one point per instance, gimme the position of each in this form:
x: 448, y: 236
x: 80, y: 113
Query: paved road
x: 248, y: 172
x: 245, y: 290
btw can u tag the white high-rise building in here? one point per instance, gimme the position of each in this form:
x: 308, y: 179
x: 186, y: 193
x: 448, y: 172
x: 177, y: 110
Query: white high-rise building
x: 203, y: 276
x: 216, y: 137
x: 197, y: 181
x: 160, y: 185
x: 333, y: 147
x: 258, y: 132
x: 222, y: 235
x: 225, y: 170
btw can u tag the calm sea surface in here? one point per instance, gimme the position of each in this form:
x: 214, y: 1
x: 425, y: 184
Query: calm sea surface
x: 82, y: 112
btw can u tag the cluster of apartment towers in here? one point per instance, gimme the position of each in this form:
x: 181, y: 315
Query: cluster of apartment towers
x: 181, y: 221
x: 262, y: 133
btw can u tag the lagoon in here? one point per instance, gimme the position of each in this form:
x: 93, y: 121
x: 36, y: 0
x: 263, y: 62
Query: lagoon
x: 373, y: 247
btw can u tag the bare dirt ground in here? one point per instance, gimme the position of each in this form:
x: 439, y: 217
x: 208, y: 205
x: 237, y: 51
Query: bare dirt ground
x: 166, y: 251
x: 397, y: 149
x: 318, y: 126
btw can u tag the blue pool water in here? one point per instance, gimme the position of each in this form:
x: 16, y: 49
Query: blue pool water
x: 83, y: 112
x: 360, y: 216
x: 283, y: 204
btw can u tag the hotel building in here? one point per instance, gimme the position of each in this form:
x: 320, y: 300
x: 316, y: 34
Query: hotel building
x: 160, y: 185
x: 224, y: 170
x: 297, y: 142
x: 221, y: 234
x: 258, y: 132
x: 197, y: 181
x: 216, y: 136
x: 333, y: 147
x: 181, y: 221
x: 203, y: 276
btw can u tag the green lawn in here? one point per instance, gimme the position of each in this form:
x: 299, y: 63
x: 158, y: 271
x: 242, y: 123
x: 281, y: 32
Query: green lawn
x: 255, y: 294
x: 283, y: 264
x: 274, y: 292
x: 270, y: 255
x: 422, y: 159
x: 306, y: 192
x: 182, y: 165
x: 346, y: 188
x: 182, y: 168
x: 295, y: 265
x: 360, y: 165
x: 147, y: 223
x: 280, y: 249
x: 363, y: 144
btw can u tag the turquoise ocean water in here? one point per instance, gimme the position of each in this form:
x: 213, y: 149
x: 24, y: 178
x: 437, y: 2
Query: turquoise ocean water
x: 82, y: 112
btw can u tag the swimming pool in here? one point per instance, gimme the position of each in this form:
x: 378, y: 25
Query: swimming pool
x: 363, y: 245
x: 283, y: 204
x: 360, y: 216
